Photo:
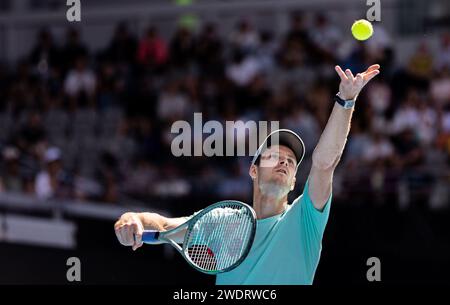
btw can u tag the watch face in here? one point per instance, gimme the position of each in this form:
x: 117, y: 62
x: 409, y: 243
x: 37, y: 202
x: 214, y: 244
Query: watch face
x: 349, y: 104
x: 346, y: 104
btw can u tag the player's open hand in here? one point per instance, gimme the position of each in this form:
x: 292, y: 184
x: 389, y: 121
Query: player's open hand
x: 350, y: 85
x: 129, y: 229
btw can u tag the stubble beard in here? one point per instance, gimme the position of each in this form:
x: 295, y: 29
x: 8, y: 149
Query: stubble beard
x: 273, y: 189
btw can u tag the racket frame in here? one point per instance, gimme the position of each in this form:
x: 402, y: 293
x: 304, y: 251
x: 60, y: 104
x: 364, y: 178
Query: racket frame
x: 158, y: 236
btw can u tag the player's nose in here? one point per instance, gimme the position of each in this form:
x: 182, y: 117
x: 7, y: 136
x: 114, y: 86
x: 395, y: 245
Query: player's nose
x: 283, y: 161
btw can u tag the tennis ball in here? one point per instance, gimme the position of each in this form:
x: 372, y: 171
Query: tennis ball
x: 362, y: 29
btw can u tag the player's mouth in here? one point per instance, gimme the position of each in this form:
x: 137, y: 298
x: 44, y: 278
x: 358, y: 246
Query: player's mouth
x: 281, y: 170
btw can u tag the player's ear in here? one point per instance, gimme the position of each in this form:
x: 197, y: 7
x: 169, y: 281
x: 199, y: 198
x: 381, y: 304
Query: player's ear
x: 293, y: 183
x: 253, y: 171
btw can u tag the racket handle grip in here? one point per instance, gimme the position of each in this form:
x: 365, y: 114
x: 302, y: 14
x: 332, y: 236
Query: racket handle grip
x: 150, y: 237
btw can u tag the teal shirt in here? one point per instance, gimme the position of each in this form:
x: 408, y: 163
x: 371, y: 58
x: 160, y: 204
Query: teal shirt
x: 286, y: 249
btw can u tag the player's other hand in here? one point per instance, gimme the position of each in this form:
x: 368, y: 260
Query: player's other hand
x: 129, y: 229
x: 350, y: 85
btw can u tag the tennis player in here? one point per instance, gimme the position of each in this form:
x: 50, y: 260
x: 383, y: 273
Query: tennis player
x: 288, y: 240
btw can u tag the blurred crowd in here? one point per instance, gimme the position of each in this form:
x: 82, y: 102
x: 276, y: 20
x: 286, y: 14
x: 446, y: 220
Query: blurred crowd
x: 95, y: 126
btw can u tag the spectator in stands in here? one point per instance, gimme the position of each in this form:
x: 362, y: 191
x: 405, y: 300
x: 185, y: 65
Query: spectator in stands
x: 408, y: 151
x: 123, y: 46
x: 152, y: 50
x: 437, y: 159
x: 235, y: 185
x: 209, y: 49
x: 45, y: 54
x: 440, y: 86
x: 182, y: 49
x: 173, y: 104
x: 32, y: 133
x: 428, y: 117
x: 140, y: 178
x: 253, y: 98
x: 358, y: 140
x: 172, y: 183
x: 20, y: 95
x: 251, y: 75
x: 242, y: 70
x: 245, y: 38
x: 109, y: 176
x: 5, y: 83
x: 80, y: 80
x: 108, y: 85
x: 379, y: 99
x: 298, y: 31
x: 444, y: 122
x: 303, y: 122
x: 325, y: 37
x: 265, y: 54
x: 148, y: 137
x: 443, y: 138
x: 72, y: 49
x: 443, y: 53
x: 420, y: 66
x: 378, y: 150
x: 292, y: 54
x: 10, y: 178
x: 358, y: 57
x: 407, y: 115
x: 380, y: 48
x: 53, y: 181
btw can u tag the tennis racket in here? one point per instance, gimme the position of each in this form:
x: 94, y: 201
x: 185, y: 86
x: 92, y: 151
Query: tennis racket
x: 217, y: 239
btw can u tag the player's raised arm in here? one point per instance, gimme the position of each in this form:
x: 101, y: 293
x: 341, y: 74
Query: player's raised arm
x: 331, y: 144
x: 130, y: 226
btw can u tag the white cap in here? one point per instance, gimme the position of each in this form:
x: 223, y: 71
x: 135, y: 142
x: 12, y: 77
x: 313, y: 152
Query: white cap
x: 284, y: 137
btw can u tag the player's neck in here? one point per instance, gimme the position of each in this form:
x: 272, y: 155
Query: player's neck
x: 267, y: 205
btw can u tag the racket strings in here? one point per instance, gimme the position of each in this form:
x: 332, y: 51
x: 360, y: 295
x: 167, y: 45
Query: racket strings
x: 233, y: 246
x: 220, y: 237
x: 200, y: 253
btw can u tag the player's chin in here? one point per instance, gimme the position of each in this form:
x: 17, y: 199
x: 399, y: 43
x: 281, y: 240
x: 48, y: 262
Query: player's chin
x: 281, y: 179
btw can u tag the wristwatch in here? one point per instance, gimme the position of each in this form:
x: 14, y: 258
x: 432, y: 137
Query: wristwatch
x: 347, y: 104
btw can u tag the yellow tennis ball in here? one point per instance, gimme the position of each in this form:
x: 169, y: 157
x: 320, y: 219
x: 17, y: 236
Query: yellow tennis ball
x: 362, y: 29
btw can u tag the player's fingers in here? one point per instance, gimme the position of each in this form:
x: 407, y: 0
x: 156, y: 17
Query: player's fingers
x: 349, y: 74
x: 138, y: 229
x: 130, y: 234
x: 340, y: 73
x: 373, y: 67
x: 117, y: 231
x: 359, y: 79
x: 126, y: 235
x: 137, y: 235
x: 119, y: 238
x: 137, y: 245
x: 121, y: 235
x: 370, y: 75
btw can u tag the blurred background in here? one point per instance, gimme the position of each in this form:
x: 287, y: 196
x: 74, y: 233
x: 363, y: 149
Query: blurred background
x: 86, y: 109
